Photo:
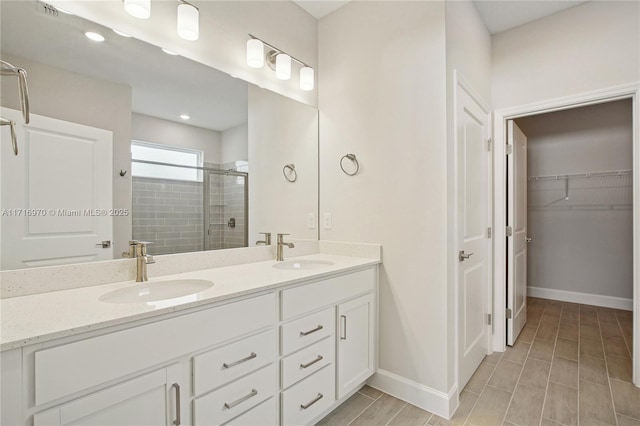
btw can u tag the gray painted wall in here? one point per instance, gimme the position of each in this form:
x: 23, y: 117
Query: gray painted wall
x: 583, y: 244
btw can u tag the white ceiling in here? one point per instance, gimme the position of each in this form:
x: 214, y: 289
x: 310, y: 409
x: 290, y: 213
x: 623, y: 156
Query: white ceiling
x: 498, y: 15
x: 320, y: 8
x: 162, y: 86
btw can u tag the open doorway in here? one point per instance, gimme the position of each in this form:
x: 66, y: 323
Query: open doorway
x: 583, y: 223
x: 573, y: 213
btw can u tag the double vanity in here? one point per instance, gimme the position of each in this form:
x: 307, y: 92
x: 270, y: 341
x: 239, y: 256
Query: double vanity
x: 260, y: 343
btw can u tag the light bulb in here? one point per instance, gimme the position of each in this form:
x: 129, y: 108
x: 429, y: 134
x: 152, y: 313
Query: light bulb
x: 283, y: 66
x: 94, y: 36
x: 255, y: 53
x: 188, y: 22
x: 306, y: 78
x: 138, y: 8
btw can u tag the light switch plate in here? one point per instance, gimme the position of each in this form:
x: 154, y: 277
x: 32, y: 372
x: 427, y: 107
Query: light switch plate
x: 327, y: 221
x: 311, y: 221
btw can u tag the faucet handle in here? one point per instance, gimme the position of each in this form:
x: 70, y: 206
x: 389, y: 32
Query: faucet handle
x: 132, y: 249
x: 267, y: 239
x: 141, y: 247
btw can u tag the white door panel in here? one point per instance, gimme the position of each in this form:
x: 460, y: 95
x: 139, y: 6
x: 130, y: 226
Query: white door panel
x: 473, y: 219
x: 56, y: 194
x: 517, y: 219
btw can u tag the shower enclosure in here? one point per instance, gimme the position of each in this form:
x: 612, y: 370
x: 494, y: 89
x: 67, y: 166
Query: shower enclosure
x: 186, y: 208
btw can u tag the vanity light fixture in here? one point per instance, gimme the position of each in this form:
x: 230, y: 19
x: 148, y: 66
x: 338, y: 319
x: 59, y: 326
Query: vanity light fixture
x: 140, y: 9
x: 255, y: 53
x: 306, y: 78
x: 188, y: 21
x: 169, y: 52
x: 283, y: 66
x: 278, y: 60
x: 94, y: 36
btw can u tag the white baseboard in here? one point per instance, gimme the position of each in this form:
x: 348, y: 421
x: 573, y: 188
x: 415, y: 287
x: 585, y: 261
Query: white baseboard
x: 415, y: 393
x: 584, y: 298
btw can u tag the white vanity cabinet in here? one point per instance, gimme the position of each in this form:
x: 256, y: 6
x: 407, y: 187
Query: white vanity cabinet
x: 148, y: 374
x: 356, y: 341
x: 284, y: 356
x: 151, y: 399
x: 327, y: 342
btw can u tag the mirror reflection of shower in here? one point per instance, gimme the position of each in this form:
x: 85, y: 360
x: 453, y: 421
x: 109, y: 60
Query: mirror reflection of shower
x: 183, y: 205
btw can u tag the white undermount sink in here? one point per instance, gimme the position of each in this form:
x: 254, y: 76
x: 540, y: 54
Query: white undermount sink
x: 152, y: 291
x: 306, y: 264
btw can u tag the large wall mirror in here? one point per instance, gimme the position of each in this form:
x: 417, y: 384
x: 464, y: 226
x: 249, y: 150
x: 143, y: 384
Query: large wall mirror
x: 127, y: 141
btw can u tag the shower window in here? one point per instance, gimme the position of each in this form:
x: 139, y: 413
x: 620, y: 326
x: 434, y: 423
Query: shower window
x: 158, y: 153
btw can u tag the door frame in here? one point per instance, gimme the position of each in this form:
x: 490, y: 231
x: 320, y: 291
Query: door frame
x: 627, y: 91
x: 460, y: 83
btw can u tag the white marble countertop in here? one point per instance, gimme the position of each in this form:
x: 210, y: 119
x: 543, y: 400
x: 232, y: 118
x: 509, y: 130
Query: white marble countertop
x: 42, y: 317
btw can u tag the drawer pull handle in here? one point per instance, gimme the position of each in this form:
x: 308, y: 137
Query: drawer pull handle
x: 240, y: 361
x: 306, y: 333
x: 177, y: 421
x: 241, y: 400
x: 309, y: 364
x: 313, y: 401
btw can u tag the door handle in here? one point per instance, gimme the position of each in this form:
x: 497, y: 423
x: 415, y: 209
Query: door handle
x: 462, y: 256
x: 104, y: 244
x: 527, y: 240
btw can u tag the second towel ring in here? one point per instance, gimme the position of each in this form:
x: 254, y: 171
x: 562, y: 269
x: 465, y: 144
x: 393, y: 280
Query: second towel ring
x: 353, y: 158
x: 292, y: 176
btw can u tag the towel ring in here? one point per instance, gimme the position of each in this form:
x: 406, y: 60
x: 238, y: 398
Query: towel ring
x: 292, y: 176
x: 351, y: 157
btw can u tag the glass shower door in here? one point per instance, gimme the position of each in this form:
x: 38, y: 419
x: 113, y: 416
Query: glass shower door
x: 226, y: 213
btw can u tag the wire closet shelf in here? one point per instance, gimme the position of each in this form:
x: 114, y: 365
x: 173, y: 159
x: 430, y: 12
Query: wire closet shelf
x: 602, y: 190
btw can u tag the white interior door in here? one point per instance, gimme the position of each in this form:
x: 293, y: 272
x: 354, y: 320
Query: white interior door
x: 56, y: 194
x: 517, y: 242
x: 473, y: 221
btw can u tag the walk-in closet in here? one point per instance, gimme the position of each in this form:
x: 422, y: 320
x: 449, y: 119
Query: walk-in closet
x: 580, y: 205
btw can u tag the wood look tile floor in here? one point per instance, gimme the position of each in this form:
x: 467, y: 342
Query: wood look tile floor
x: 571, y: 365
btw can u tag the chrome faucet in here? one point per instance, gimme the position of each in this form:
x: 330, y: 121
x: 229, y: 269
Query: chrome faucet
x: 279, y: 248
x: 138, y: 249
x: 267, y: 239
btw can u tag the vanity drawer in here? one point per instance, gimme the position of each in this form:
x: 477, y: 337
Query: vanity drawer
x: 219, y: 366
x: 307, y: 361
x: 307, y: 330
x: 296, y: 301
x: 228, y: 402
x: 100, y: 359
x: 264, y: 414
x: 306, y: 400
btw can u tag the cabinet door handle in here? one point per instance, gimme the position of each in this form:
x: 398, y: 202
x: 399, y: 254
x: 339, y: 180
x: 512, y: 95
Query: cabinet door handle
x: 313, y: 401
x: 343, y: 334
x: 240, y: 361
x: 177, y: 421
x: 241, y: 400
x: 306, y: 333
x: 310, y: 363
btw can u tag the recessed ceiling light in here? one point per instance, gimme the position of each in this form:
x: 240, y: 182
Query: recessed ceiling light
x: 185, y: 116
x: 94, y: 36
x: 169, y: 52
x: 120, y: 33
